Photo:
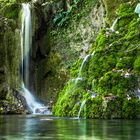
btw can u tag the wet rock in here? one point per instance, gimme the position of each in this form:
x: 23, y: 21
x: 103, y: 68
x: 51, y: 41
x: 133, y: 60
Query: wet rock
x: 109, y: 97
x: 43, y: 110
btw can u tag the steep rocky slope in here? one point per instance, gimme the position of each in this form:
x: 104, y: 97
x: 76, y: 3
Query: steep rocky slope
x: 109, y: 80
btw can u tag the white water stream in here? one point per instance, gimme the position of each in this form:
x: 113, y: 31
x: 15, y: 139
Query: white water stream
x: 34, y: 106
x: 138, y: 93
x: 113, y: 25
x: 81, y: 107
x: 25, y: 42
x: 80, y: 78
x: 83, y: 63
x: 93, y: 95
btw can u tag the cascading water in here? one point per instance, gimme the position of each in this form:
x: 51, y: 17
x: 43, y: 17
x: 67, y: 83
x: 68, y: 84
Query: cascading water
x: 113, y: 25
x: 81, y: 107
x: 138, y: 93
x: 81, y: 67
x: 31, y: 102
x: 83, y: 63
x: 25, y: 42
x: 25, y: 48
x: 93, y: 95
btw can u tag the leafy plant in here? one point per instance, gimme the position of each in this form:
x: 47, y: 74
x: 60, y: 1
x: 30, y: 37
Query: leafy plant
x: 63, y: 16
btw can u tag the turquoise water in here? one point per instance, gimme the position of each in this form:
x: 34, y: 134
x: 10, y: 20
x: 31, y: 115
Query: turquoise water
x: 31, y: 127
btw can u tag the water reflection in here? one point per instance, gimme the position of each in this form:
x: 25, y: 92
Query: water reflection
x: 33, y: 127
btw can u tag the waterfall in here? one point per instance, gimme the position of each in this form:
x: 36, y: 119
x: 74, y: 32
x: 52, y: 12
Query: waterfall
x: 81, y: 107
x: 93, y: 95
x: 81, y: 68
x: 83, y: 63
x: 138, y: 93
x: 113, y: 25
x: 25, y: 42
x: 31, y: 102
x: 93, y: 53
x: 34, y: 106
x: 137, y: 10
x: 79, y: 78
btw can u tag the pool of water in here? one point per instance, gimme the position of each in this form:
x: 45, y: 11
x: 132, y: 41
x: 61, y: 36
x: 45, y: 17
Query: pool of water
x: 37, y: 127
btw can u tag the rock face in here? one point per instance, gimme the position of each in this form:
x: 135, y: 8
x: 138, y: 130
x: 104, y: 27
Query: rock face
x: 63, y: 32
x: 16, y: 104
x: 9, y: 53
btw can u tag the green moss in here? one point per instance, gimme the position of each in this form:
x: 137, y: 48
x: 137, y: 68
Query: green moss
x: 111, y: 10
x: 130, y: 109
x: 137, y: 64
x: 68, y: 101
x: 125, y: 9
x: 74, y: 70
x: 111, y: 73
x: 113, y: 109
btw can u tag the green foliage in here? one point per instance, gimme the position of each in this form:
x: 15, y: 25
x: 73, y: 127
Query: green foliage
x: 74, y: 10
x: 63, y: 16
x: 68, y: 101
x: 12, y: 11
x: 9, y: 9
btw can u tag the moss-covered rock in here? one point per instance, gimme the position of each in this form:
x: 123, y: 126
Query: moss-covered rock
x: 9, y: 52
x: 112, y: 73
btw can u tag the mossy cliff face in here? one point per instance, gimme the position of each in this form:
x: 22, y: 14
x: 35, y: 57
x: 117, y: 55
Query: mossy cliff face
x: 9, y: 55
x: 111, y: 72
x: 111, y: 7
x: 69, y: 37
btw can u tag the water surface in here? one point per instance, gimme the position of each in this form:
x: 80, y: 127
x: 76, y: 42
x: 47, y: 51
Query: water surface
x: 37, y: 127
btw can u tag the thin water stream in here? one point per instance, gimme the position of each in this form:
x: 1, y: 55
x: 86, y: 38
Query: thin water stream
x: 113, y: 25
x: 81, y: 107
